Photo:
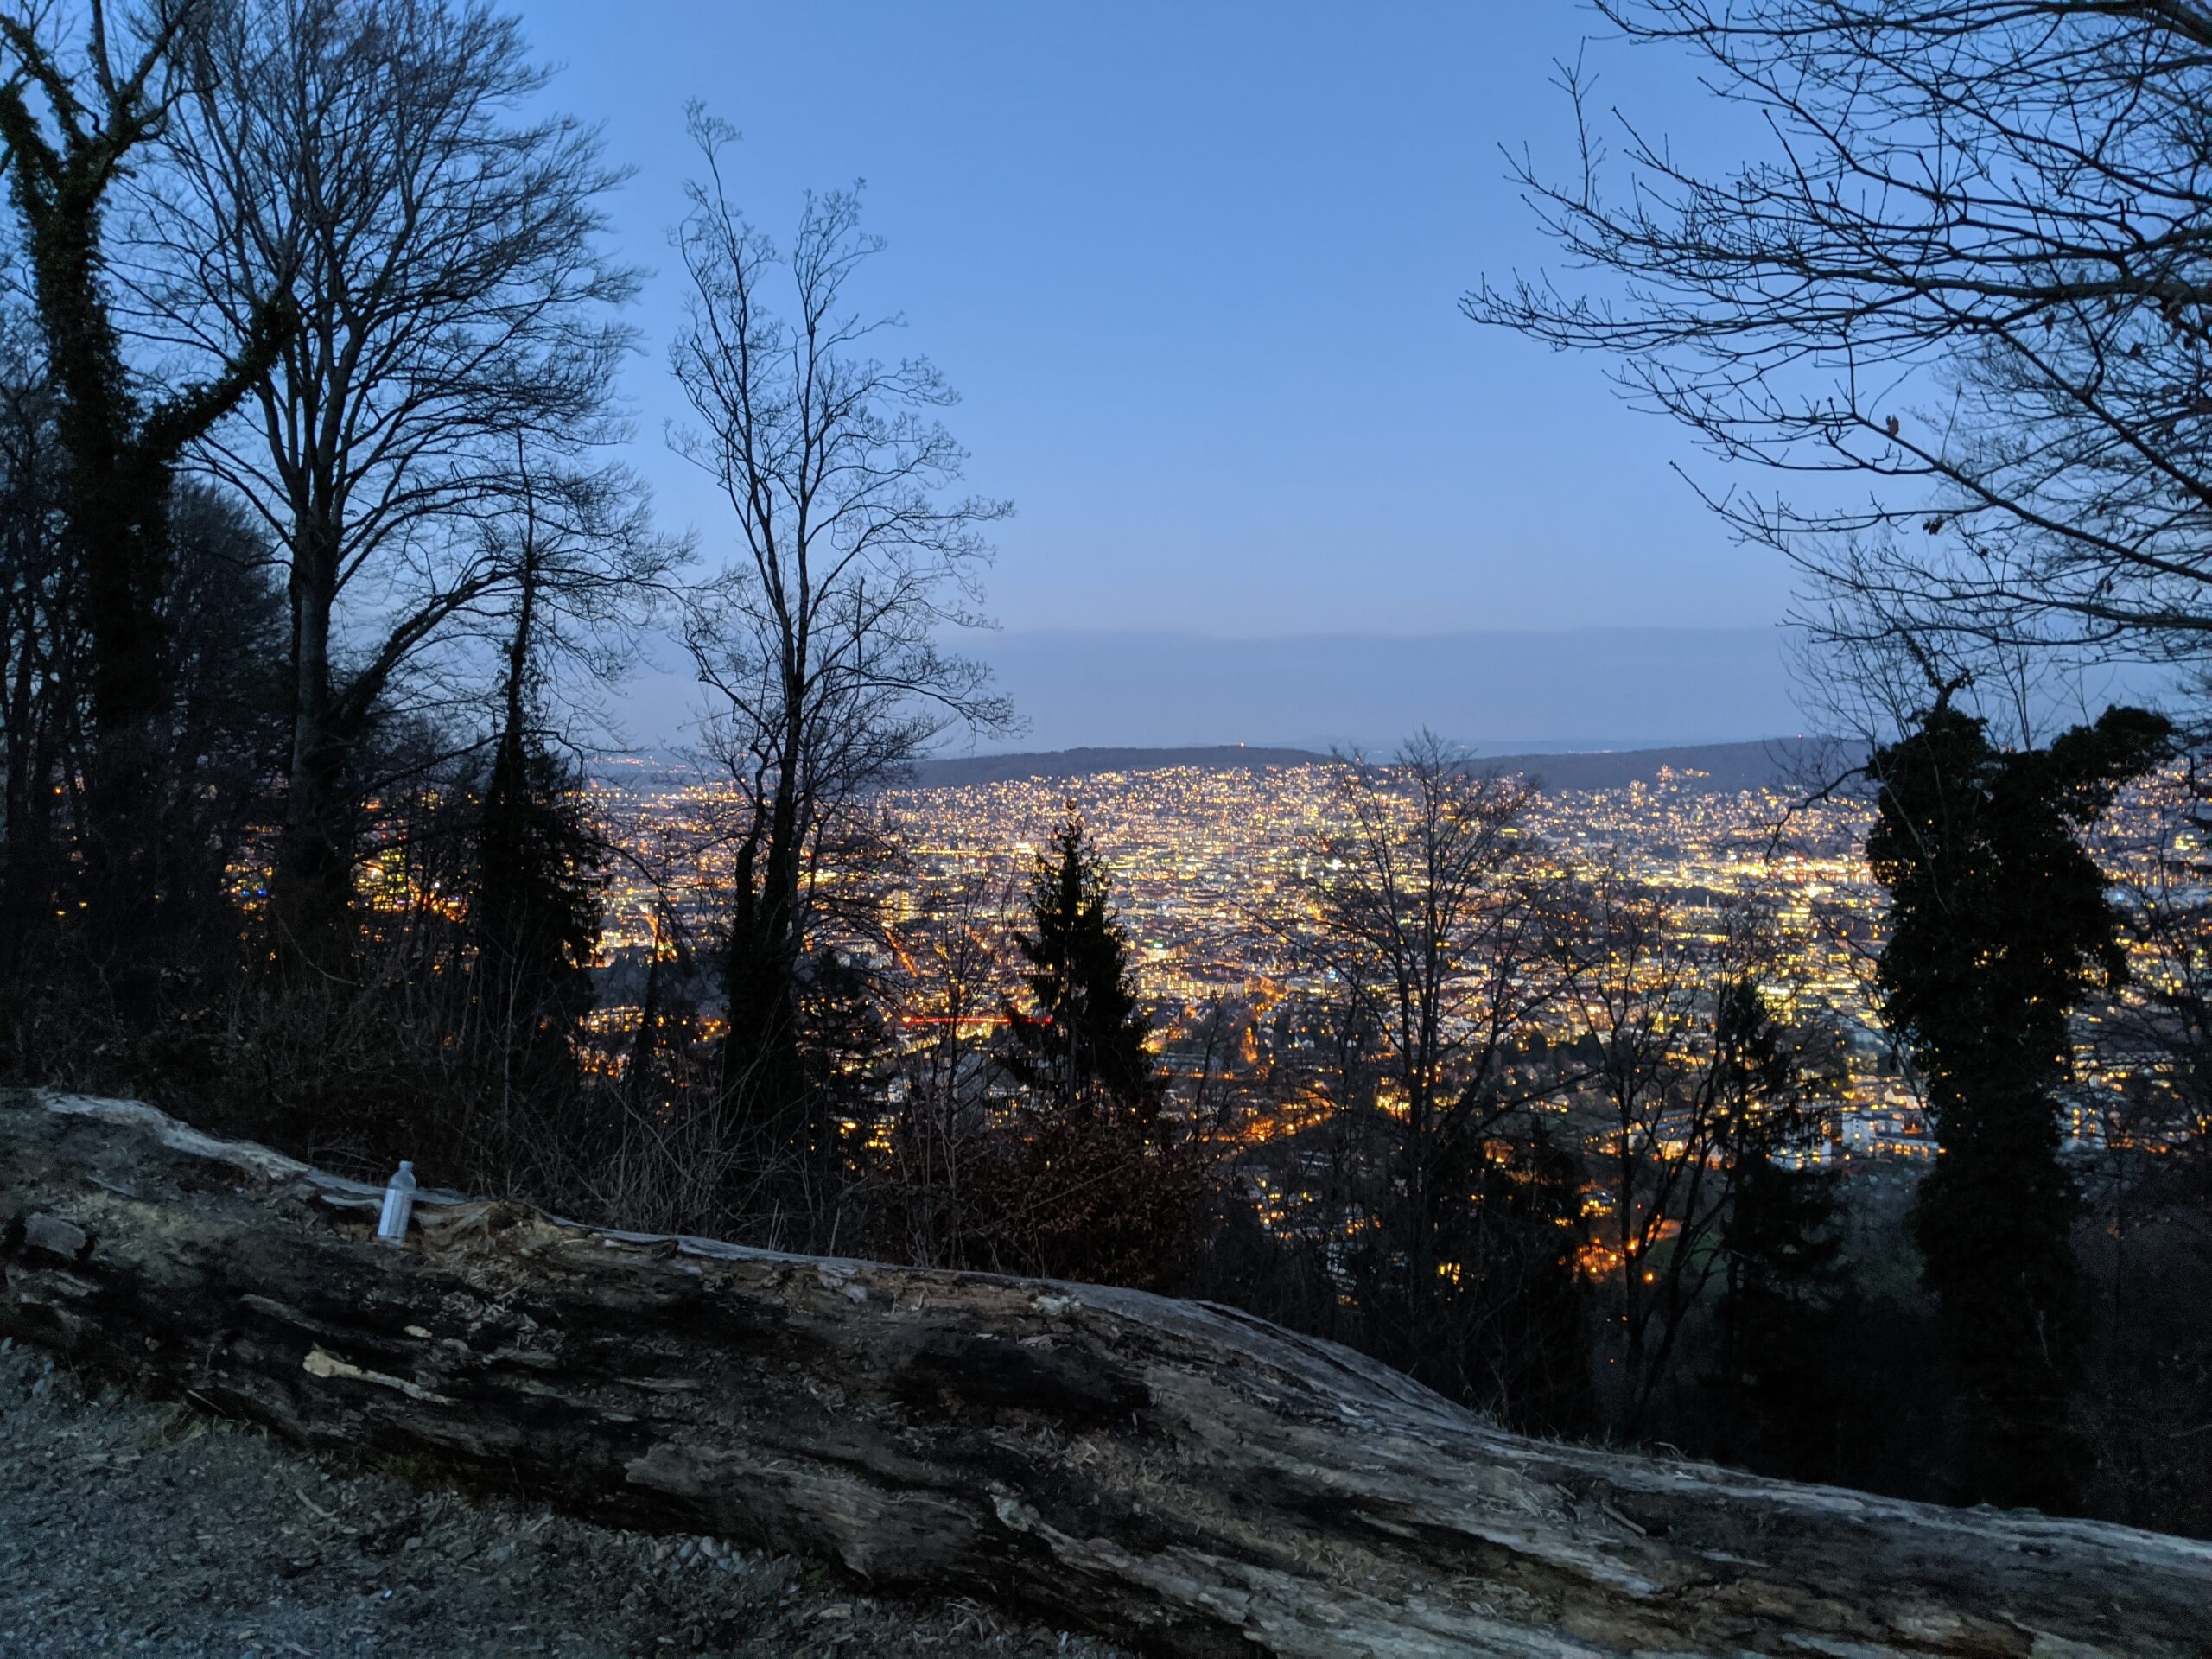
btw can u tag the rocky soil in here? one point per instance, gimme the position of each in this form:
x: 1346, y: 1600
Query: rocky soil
x: 130, y: 1527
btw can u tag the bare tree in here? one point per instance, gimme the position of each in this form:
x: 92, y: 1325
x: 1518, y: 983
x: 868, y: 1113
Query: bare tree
x: 1972, y: 271
x: 955, y: 961
x: 1689, y: 1071
x: 1417, y: 904
x: 383, y: 165
x: 820, y: 640
x: 2144, y: 1096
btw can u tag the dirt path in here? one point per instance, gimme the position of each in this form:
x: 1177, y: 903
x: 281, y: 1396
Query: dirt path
x: 127, y: 1527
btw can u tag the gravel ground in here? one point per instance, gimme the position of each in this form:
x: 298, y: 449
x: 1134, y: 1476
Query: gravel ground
x: 129, y: 1527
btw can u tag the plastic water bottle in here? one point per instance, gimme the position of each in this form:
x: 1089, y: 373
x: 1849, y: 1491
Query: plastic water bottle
x: 398, y: 1205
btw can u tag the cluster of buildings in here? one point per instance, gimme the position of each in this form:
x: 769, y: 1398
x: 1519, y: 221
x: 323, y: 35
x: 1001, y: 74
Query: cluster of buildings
x: 1214, y: 875
x: 1214, y: 870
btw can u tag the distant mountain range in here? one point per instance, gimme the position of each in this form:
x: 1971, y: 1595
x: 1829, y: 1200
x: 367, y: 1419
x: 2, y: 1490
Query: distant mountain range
x: 1773, y: 763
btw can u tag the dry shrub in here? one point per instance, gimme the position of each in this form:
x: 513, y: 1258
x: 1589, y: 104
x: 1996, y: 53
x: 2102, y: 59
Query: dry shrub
x: 1102, y: 1198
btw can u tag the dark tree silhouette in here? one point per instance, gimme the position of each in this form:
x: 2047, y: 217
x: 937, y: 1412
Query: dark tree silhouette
x: 1776, y: 1376
x: 820, y: 640
x: 1419, y: 903
x: 40, y: 601
x: 572, y: 557
x: 1090, y: 1180
x: 1684, y: 1063
x: 388, y: 168
x: 1081, y: 1042
x: 536, y: 909
x: 2000, y: 926
x: 121, y: 448
x: 1510, y: 1328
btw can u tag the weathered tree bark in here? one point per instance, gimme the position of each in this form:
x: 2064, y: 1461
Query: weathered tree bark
x: 1171, y: 1474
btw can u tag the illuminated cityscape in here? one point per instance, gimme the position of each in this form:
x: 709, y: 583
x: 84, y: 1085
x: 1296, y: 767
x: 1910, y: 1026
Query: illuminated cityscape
x: 1212, y: 868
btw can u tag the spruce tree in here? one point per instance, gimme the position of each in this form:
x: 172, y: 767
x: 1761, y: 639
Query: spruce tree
x: 2000, y: 926
x: 1082, y: 1041
x: 1776, y: 1377
x: 1089, y: 1179
x: 537, y: 904
x: 1511, y: 1331
x: 538, y: 901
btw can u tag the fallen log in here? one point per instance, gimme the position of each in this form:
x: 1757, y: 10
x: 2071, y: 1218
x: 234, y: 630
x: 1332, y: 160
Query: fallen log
x: 1173, y: 1475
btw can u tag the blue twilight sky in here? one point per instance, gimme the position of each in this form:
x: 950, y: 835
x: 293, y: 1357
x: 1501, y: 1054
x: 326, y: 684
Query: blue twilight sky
x: 1194, y: 268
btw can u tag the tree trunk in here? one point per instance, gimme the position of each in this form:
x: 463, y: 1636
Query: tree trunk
x: 24, y: 915
x: 1173, y: 1475
x: 312, y: 886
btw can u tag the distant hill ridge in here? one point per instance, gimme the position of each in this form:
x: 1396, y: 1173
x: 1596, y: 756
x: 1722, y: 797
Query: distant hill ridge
x: 957, y: 770
x: 1725, y: 767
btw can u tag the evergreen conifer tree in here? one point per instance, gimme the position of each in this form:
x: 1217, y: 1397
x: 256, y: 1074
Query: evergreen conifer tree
x: 537, y: 904
x: 1090, y: 1181
x: 2000, y: 924
x: 1082, y: 1042
x: 1512, y: 1320
x: 538, y: 901
x: 1785, y: 1281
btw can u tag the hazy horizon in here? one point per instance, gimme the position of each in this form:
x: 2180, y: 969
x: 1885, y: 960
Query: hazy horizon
x: 1498, y: 690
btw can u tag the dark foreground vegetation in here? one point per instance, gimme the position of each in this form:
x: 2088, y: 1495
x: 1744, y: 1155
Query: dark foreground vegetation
x: 315, y: 542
